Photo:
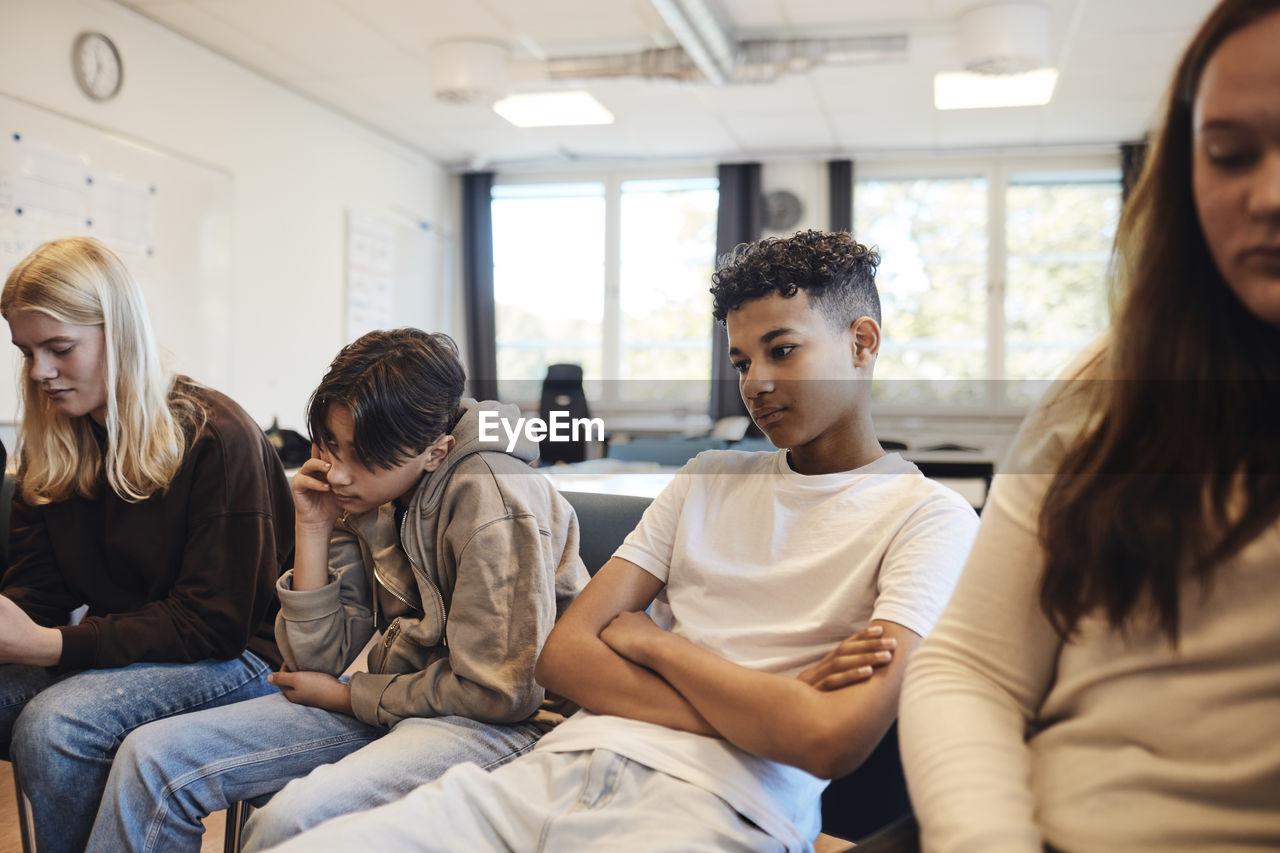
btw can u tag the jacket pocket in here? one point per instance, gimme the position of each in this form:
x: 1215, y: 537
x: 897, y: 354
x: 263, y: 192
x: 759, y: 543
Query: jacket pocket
x: 408, y: 645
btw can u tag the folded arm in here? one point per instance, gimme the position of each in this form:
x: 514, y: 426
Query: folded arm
x: 826, y: 732
x: 577, y: 664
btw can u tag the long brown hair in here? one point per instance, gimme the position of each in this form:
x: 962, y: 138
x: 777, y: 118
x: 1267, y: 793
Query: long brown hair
x: 1183, y: 467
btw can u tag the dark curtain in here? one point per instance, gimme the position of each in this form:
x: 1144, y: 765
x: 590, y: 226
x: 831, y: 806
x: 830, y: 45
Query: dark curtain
x: 477, y: 278
x: 740, y: 220
x: 1133, y: 156
x: 840, y: 184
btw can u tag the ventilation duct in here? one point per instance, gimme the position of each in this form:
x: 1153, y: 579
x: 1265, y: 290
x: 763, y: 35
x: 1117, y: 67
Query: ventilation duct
x: 469, y: 72
x: 760, y: 61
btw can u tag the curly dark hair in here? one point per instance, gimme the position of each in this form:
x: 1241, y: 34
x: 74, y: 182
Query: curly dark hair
x: 837, y: 272
x: 403, y: 388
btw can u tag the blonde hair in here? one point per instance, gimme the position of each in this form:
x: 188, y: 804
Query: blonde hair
x: 150, y: 418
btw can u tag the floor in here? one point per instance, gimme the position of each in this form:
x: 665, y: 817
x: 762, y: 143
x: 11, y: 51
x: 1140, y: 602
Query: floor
x: 11, y: 839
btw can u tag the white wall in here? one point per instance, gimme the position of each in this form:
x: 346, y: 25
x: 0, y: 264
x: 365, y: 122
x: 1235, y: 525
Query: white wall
x: 296, y: 169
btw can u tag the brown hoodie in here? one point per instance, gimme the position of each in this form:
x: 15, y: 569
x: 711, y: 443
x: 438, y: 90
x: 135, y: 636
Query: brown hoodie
x: 184, y: 575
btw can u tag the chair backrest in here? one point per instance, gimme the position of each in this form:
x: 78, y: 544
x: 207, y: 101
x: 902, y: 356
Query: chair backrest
x: 871, y: 797
x: 603, y: 522
x: 562, y: 391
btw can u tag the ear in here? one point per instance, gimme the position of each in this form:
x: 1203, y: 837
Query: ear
x: 865, y: 334
x: 435, y: 454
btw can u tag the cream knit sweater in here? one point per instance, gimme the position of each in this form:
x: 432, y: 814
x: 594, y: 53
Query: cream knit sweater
x: 1114, y: 742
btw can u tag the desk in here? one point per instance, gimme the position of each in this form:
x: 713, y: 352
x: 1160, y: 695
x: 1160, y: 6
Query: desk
x: 963, y: 473
x: 611, y: 477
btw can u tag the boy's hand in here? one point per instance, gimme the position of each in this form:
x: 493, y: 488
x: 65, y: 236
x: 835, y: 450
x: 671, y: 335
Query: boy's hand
x: 313, y: 504
x: 627, y: 634
x: 317, y: 689
x: 854, y: 660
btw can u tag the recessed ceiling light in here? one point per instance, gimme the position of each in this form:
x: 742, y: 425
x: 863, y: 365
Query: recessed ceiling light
x: 552, y: 109
x: 965, y: 90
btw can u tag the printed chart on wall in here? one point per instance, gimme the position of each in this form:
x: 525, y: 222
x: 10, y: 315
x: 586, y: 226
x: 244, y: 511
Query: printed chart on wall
x: 168, y: 218
x: 395, y: 274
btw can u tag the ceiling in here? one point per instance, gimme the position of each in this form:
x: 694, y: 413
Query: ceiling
x: 371, y: 60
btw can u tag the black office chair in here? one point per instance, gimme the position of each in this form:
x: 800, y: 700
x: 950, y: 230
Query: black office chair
x: 870, y: 798
x: 562, y: 392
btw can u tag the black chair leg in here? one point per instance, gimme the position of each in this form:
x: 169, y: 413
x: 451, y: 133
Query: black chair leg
x: 237, y: 816
x: 24, y: 816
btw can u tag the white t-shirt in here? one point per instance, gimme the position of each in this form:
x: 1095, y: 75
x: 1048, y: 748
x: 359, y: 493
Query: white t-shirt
x: 770, y: 569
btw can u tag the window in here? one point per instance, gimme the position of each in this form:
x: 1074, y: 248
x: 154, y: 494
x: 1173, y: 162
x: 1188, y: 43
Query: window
x: 989, y: 271
x: 548, y: 270
x: 612, y: 274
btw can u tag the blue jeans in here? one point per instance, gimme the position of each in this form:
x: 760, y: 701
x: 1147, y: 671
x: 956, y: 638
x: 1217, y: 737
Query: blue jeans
x: 61, y: 732
x: 169, y: 775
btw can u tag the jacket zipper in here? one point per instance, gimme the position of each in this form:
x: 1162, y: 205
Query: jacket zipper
x: 382, y: 582
x: 392, y: 630
x: 437, y: 597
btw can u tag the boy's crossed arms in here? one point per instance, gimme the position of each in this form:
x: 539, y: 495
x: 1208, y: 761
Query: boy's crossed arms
x: 607, y: 655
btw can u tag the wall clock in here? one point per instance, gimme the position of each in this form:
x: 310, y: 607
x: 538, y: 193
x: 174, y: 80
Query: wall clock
x: 95, y: 62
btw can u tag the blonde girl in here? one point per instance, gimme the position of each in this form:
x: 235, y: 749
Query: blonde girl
x: 156, y: 502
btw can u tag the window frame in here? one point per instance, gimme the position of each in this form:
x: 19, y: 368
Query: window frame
x: 996, y: 169
x: 611, y: 323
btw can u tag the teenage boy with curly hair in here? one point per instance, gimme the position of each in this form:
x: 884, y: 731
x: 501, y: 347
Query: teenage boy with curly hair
x: 713, y: 723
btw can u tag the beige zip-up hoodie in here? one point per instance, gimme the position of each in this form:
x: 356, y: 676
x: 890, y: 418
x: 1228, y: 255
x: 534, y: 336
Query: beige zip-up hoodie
x: 464, y: 591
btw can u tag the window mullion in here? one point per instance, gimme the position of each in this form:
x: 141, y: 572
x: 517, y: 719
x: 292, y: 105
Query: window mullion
x: 612, y: 325
x: 997, y: 274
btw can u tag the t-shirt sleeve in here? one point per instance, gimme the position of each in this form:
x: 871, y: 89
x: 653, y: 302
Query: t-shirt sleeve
x: 924, y: 561
x: 652, y: 544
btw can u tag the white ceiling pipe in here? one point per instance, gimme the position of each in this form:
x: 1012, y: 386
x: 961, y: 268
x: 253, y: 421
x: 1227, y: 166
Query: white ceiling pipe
x: 1005, y: 38
x: 688, y: 37
x: 718, y: 43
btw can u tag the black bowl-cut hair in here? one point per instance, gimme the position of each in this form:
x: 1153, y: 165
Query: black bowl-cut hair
x: 402, y: 387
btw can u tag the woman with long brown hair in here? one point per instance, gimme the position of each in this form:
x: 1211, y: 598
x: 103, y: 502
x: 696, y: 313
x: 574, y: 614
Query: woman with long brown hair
x: 1107, y: 675
x: 153, y: 500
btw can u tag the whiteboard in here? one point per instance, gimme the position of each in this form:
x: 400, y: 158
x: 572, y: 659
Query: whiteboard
x: 395, y: 274
x: 167, y: 217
